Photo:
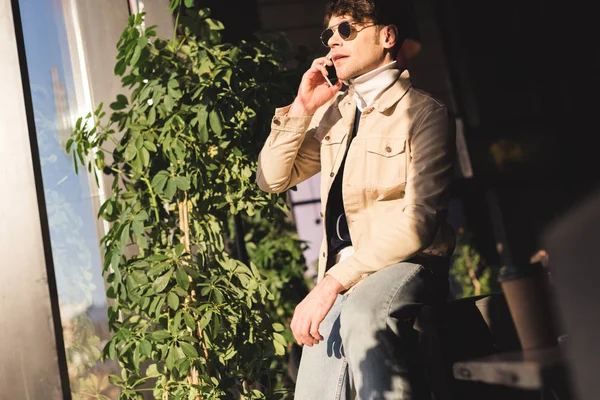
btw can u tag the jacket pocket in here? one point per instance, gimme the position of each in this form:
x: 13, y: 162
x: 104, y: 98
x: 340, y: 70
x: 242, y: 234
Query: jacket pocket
x: 386, y: 162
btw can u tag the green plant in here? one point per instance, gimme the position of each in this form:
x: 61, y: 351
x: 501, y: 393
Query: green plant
x: 470, y: 270
x: 277, y: 251
x: 189, y: 318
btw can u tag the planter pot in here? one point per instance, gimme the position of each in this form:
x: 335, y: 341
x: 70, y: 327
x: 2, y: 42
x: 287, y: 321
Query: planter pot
x: 528, y: 296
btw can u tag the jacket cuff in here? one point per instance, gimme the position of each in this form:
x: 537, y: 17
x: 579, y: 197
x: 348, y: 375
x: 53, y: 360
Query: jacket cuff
x: 346, y: 273
x: 281, y: 122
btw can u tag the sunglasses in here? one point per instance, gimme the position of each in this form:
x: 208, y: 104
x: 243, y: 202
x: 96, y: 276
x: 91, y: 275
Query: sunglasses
x: 345, y: 29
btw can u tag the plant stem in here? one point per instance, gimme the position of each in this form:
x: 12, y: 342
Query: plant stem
x: 153, y: 202
x: 176, y: 23
x: 184, y: 225
x: 472, y: 275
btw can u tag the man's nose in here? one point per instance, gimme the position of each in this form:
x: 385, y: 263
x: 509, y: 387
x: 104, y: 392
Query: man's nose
x: 335, y: 40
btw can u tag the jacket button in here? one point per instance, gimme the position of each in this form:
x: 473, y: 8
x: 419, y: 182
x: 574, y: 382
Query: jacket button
x: 388, y: 149
x: 331, y: 174
x: 327, y: 138
x: 323, y: 254
x: 321, y: 214
x: 277, y: 121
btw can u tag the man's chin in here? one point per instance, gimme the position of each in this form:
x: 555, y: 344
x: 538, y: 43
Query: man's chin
x: 343, y: 77
x: 346, y: 76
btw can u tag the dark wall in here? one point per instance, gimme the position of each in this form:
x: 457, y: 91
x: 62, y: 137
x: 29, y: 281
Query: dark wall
x: 514, y: 68
x: 240, y: 17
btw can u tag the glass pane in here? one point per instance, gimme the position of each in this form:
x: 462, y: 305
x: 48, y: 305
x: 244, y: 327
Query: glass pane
x: 71, y: 199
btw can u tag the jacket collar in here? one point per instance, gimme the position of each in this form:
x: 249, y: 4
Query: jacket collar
x: 394, y: 94
x: 347, y: 104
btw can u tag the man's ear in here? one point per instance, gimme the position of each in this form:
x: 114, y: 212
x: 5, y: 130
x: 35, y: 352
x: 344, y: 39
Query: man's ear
x: 390, y: 36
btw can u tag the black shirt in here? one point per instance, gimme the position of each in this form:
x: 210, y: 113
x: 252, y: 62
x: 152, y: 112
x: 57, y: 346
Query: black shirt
x: 336, y: 226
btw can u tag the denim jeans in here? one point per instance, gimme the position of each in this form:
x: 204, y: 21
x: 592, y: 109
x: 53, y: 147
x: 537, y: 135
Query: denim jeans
x: 368, y: 351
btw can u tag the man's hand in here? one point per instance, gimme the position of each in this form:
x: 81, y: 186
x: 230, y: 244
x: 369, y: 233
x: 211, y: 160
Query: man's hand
x: 314, y: 91
x: 311, y: 311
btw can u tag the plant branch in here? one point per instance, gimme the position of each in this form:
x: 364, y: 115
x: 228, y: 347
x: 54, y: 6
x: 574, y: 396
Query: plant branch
x: 153, y: 196
x: 472, y: 275
x: 184, y: 225
x: 176, y: 23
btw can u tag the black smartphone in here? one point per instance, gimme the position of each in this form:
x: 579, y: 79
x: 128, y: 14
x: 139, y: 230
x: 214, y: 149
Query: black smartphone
x: 331, y: 77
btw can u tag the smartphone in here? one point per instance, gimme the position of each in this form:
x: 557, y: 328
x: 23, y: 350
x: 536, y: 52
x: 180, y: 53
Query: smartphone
x: 331, y: 77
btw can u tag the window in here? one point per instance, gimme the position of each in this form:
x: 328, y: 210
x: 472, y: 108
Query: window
x: 71, y: 199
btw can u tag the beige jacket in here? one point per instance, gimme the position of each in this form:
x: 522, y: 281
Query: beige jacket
x: 396, y: 180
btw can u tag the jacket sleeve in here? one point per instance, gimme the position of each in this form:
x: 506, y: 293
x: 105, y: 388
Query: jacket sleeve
x: 409, y: 225
x: 290, y: 155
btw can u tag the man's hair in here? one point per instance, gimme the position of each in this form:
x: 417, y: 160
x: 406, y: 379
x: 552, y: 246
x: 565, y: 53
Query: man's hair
x: 381, y: 12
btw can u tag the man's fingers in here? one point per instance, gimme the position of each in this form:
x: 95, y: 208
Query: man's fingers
x: 293, y: 329
x: 300, y: 327
x: 322, y: 61
x: 322, y: 70
x: 319, y: 65
x: 336, y: 87
x: 314, y: 331
x: 305, y: 333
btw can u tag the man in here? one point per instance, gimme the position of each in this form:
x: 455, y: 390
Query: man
x: 385, y: 151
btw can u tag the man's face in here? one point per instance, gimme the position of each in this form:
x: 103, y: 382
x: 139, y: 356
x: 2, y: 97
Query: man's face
x: 362, y: 52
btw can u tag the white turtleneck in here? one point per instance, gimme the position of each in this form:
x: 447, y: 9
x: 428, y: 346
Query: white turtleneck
x: 368, y: 87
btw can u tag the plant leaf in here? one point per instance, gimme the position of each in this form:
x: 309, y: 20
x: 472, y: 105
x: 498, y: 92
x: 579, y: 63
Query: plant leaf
x: 130, y: 152
x: 170, y: 361
x: 279, y: 349
x: 182, y: 182
x: 150, y: 146
x: 182, y: 279
x: 168, y: 103
x: 204, y: 321
x: 160, y: 335
x: 152, y: 371
x: 159, y: 181
x: 145, y: 156
x: 146, y: 348
x: 215, y: 122
x: 161, y: 283
x: 171, y: 188
x: 151, y: 116
x: 188, y: 349
x: 136, y: 56
x: 173, y: 301
x: 190, y: 322
x: 203, y: 133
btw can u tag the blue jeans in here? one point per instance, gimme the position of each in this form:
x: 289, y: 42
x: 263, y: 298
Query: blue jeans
x: 368, y: 351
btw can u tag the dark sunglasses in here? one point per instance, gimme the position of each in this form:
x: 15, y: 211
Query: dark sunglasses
x: 345, y: 29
